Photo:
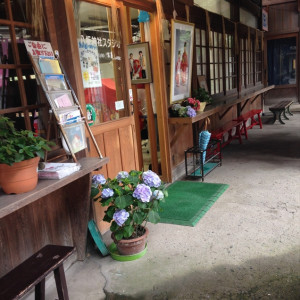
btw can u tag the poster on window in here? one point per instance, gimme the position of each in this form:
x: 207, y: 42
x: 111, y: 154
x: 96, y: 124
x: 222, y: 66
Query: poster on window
x: 89, y: 61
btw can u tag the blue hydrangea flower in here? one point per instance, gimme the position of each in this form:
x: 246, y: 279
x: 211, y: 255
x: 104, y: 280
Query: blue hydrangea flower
x: 190, y: 112
x: 98, y: 179
x: 151, y: 179
x: 142, y: 192
x: 106, y: 193
x: 122, y: 175
x: 120, y: 216
x: 157, y: 194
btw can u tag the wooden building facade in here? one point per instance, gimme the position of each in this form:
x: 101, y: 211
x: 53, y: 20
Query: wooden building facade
x: 130, y: 122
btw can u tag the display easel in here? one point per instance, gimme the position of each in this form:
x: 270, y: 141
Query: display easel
x: 63, y: 101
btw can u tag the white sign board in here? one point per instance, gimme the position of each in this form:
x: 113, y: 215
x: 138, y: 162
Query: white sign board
x: 38, y: 48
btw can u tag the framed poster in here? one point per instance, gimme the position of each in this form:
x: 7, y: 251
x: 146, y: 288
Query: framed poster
x: 182, y: 40
x: 139, y: 63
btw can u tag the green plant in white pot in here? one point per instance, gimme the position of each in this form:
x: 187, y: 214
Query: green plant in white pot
x: 20, y: 152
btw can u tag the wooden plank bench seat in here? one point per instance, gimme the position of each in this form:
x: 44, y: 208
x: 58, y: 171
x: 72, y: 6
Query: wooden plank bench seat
x: 280, y: 108
x: 228, y: 128
x: 32, y: 272
x: 250, y: 115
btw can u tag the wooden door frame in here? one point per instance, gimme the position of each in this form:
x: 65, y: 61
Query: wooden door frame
x: 160, y: 87
x: 283, y: 36
x: 62, y: 32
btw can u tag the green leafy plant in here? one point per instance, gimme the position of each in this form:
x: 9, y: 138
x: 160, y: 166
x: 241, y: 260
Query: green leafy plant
x: 202, y: 95
x: 16, y: 146
x: 132, y: 198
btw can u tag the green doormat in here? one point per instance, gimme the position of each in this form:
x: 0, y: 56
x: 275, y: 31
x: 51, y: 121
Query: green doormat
x: 188, y: 201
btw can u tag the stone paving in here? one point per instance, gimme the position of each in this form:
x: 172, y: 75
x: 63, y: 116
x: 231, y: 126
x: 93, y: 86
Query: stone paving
x: 247, y: 246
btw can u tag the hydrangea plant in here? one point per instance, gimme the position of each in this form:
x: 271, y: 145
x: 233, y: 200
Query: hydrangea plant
x: 178, y: 110
x: 132, y: 198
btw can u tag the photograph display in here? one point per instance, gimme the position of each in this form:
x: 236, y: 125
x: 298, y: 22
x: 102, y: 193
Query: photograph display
x: 139, y: 63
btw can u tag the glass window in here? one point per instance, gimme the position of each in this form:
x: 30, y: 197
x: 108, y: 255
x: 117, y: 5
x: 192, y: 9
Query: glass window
x: 102, y: 62
x: 2, y: 10
x: 282, y: 61
x: 6, y: 53
x: 18, y: 8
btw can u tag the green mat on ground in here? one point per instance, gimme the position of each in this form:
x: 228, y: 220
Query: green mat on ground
x: 188, y: 201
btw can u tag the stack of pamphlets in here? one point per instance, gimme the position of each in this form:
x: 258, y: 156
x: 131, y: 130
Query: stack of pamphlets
x: 56, y: 170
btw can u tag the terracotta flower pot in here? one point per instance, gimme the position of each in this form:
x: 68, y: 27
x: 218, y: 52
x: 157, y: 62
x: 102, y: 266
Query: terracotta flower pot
x: 19, y: 178
x: 131, y: 246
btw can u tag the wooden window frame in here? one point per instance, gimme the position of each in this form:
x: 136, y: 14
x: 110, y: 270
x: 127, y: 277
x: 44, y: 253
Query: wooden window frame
x: 24, y: 109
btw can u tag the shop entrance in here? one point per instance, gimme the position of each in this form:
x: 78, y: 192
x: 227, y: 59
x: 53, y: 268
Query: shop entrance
x: 139, y: 55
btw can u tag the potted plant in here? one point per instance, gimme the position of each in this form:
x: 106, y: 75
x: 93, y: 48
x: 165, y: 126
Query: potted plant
x: 20, y: 152
x: 178, y: 110
x: 203, y: 96
x: 133, y: 199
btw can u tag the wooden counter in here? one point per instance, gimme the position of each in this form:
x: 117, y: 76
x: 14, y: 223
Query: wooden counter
x: 56, y: 212
x: 226, y: 103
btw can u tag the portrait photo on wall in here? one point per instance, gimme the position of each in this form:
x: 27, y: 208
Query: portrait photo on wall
x: 182, y: 39
x: 139, y: 63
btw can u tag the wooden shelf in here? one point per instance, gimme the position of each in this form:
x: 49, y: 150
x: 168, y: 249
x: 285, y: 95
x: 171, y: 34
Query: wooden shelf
x: 11, y: 203
x: 55, y: 212
x: 221, y: 105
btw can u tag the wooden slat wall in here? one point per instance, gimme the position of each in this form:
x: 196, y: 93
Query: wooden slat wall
x: 53, y: 219
x: 283, y: 18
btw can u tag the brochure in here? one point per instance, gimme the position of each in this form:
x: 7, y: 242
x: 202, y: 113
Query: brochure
x: 56, y: 170
x: 69, y: 117
x: 76, y: 136
x: 48, y: 65
x: 55, y: 82
x: 61, y: 98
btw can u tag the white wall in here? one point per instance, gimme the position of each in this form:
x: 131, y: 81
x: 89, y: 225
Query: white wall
x: 247, y: 18
x: 220, y: 7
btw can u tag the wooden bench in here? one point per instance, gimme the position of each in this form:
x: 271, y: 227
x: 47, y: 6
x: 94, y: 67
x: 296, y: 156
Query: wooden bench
x: 250, y: 115
x: 280, y: 108
x: 32, y: 272
x: 218, y: 134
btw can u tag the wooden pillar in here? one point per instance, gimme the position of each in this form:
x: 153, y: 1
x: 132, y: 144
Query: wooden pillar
x: 160, y: 87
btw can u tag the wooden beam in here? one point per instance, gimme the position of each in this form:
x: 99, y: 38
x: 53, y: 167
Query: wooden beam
x: 147, y: 5
x: 275, y: 2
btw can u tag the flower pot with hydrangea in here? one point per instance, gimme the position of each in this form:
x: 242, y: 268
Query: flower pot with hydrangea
x: 132, y: 199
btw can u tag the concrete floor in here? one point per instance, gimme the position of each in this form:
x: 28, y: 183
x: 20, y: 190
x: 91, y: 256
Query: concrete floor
x: 247, y: 246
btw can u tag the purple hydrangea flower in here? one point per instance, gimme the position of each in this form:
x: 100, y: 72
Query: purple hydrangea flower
x: 151, y: 179
x: 106, y: 193
x: 157, y: 194
x: 122, y: 175
x: 190, y: 112
x: 120, y: 216
x: 142, y: 192
x: 98, y: 179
